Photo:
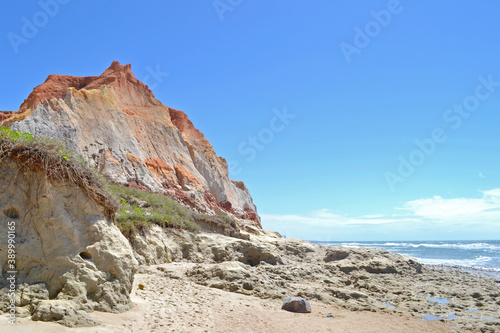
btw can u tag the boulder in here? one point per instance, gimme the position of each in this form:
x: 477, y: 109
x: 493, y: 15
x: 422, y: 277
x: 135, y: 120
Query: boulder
x: 296, y: 304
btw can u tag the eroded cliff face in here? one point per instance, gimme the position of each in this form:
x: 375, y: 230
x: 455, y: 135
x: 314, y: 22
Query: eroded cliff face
x: 70, y: 257
x: 115, y: 122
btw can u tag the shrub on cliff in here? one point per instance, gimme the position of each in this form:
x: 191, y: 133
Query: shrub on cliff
x: 138, y: 209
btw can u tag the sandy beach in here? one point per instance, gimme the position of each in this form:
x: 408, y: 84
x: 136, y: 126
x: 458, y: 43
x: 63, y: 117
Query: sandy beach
x: 174, y: 304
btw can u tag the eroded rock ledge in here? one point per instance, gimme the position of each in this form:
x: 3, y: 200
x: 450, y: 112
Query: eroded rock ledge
x: 70, y: 257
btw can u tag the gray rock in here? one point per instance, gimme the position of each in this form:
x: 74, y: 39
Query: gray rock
x: 336, y: 254
x: 296, y: 304
x: 248, y: 285
x: 476, y: 294
x: 49, y: 310
x: 28, y: 293
x: 64, y: 312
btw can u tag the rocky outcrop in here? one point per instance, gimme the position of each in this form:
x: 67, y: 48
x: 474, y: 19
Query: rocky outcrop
x: 69, y: 256
x: 158, y: 246
x: 371, y: 260
x: 115, y: 122
x: 358, y: 279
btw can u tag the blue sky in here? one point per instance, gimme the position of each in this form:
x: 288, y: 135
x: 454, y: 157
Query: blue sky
x: 347, y: 120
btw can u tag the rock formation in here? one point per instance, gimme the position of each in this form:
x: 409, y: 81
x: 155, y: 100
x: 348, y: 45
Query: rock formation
x: 69, y: 256
x: 115, y: 122
x: 358, y: 279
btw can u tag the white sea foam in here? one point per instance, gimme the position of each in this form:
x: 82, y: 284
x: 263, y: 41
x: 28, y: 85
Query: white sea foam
x: 477, y: 263
x: 353, y: 244
x: 471, y: 246
x: 464, y: 246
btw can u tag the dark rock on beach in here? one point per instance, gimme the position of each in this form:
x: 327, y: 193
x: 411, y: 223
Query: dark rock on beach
x: 296, y: 304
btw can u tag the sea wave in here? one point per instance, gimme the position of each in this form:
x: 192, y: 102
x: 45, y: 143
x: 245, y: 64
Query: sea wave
x: 477, y: 263
x: 471, y: 246
x: 463, y: 246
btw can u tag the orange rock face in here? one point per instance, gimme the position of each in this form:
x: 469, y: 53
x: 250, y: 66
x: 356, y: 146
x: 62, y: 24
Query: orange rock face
x: 115, y: 122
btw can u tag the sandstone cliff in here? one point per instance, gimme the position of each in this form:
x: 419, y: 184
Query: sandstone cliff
x: 115, y: 122
x: 69, y: 256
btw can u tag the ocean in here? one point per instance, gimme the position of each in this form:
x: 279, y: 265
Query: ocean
x: 476, y: 255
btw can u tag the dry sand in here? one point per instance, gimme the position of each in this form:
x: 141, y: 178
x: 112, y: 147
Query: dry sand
x: 177, y: 305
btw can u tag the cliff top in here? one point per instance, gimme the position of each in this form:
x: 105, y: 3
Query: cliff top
x: 117, y: 75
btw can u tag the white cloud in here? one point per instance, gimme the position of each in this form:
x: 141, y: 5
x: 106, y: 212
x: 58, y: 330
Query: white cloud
x: 428, y: 216
x: 438, y: 208
x: 325, y: 218
x: 495, y: 193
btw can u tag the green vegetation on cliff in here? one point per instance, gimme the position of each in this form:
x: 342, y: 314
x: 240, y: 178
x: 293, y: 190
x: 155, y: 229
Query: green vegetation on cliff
x: 138, y: 209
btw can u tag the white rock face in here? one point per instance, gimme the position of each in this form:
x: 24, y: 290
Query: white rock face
x: 64, y: 244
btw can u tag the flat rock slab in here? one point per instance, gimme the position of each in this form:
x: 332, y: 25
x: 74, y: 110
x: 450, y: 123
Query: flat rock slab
x: 296, y: 304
